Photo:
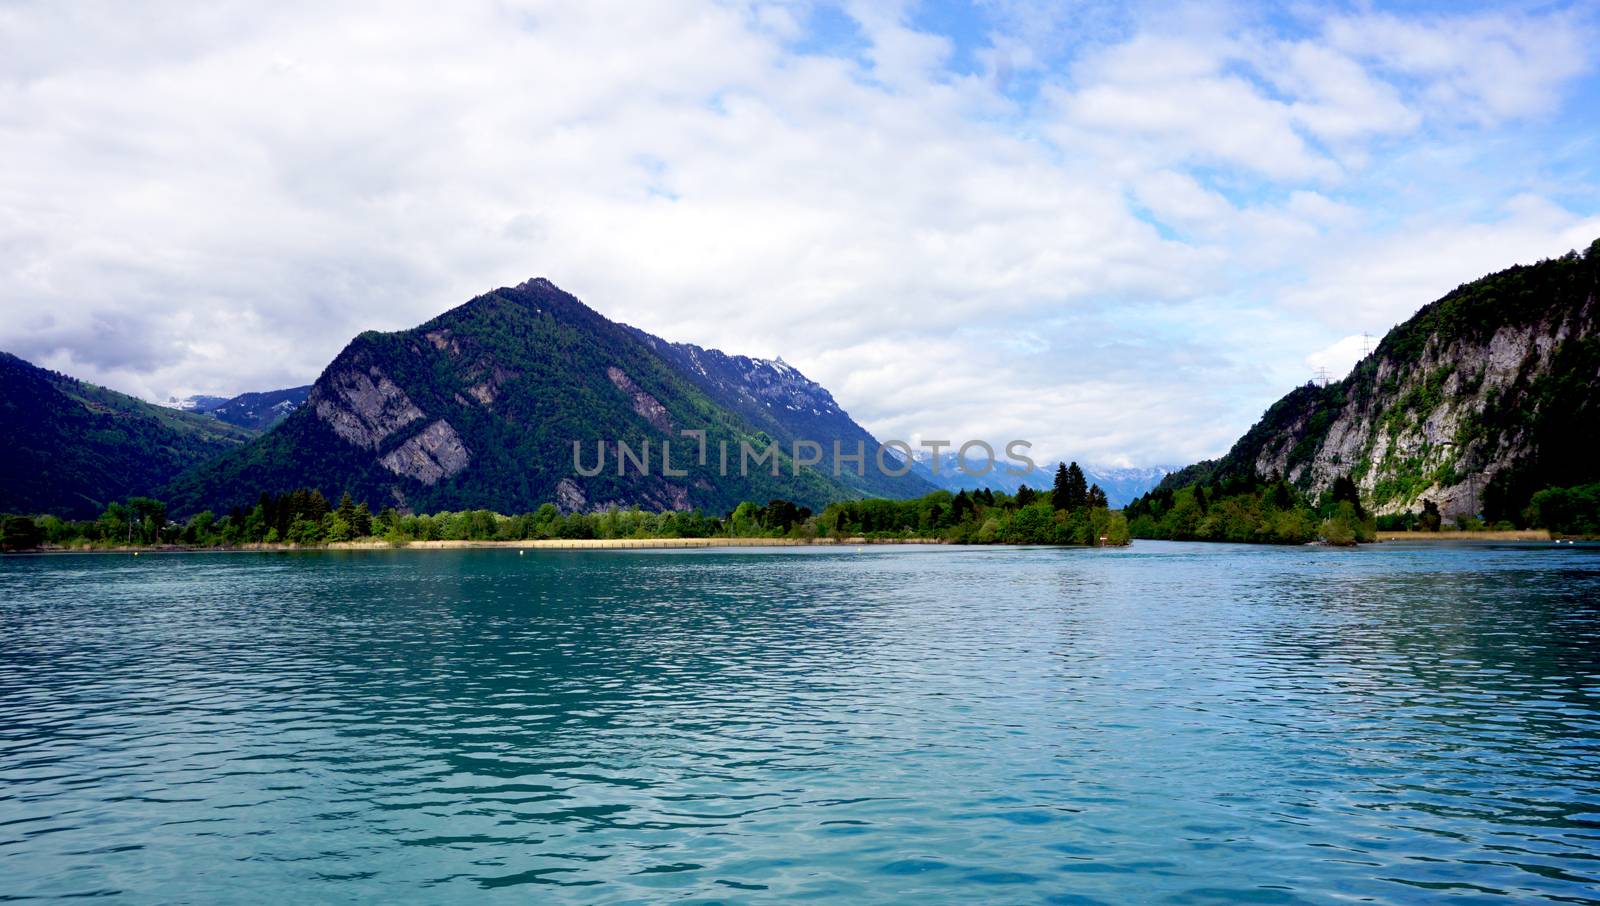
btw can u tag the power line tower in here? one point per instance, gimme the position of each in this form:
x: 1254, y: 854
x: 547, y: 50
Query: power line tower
x: 1322, y: 377
x: 1366, y: 344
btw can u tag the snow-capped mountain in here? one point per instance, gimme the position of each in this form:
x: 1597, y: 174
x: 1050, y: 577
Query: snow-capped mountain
x: 257, y: 411
x: 1120, y: 484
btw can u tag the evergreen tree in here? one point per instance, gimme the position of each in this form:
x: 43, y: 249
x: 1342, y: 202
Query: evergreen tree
x: 1025, y: 496
x: 1344, y: 489
x: 1097, y: 498
x: 1282, y: 497
x: 1200, y: 498
x: 961, y: 507
x: 1431, y: 518
x: 1071, y: 490
x: 780, y: 515
x: 19, y: 533
x: 347, y: 509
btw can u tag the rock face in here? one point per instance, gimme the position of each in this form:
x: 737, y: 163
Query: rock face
x: 363, y: 407
x: 644, y: 405
x: 1479, y: 400
x: 434, y: 453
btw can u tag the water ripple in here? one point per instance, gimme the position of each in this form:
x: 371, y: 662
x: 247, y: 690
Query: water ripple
x: 1166, y: 723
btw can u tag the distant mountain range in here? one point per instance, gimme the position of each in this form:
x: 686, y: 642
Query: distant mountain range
x: 71, y: 447
x: 1475, y: 403
x: 1120, y: 484
x: 258, y: 412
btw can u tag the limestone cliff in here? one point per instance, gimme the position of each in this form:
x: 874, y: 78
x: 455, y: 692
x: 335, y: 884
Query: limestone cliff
x: 1479, y: 400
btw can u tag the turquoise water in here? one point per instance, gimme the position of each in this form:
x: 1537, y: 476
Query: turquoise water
x: 1166, y: 723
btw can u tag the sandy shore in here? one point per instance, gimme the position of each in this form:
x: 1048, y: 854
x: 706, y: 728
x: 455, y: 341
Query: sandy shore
x: 1518, y: 535
x: 616, y: 543
x: 551, y: 544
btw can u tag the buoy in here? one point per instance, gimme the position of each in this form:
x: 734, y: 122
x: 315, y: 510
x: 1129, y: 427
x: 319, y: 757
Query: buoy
x: 136, y: 553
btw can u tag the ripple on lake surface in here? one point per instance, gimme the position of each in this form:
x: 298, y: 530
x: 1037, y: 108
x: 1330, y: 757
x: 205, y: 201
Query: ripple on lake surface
x: 1177, y: 723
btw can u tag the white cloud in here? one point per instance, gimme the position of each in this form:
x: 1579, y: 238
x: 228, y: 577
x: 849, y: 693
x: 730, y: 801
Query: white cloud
x: 1125, y: 268
x: 1339, y: 101
x: 1175, y: 100
x: 1483, y: 67
x: 1335, y: 360
x: 1375, y: 282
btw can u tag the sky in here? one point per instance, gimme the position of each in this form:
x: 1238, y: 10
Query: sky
x: 1117, y: 231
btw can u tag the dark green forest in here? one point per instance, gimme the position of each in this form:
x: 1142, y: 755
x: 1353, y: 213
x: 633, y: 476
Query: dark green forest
x: 70, y: 447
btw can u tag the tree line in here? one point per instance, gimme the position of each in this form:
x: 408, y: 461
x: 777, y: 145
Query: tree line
x: 1071, y: 512
x: 1250, y: 509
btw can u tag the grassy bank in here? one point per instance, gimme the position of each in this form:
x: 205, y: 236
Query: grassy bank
x: 1508, y: 535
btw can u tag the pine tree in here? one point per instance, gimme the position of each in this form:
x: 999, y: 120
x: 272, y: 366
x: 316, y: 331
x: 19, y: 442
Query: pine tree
x: 1058, y: 491
x: 960, y: 507
x: 1344, y: 489
x: 1097, y: 498
x: 1431, y: 518
x: 1071, y: 491
x: 347, y: 509
x: 1281, y: 498
x: 1025, y: 495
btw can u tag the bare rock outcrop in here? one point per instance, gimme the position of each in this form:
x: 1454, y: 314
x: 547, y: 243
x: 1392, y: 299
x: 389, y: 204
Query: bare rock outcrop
x: 363, y: 407
x: 569, y: 497
x: 643, y: 403
x: 435, y: 452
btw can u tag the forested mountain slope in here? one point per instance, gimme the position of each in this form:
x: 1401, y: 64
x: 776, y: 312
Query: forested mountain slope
x: 71, y: 447
x: 480, y: 406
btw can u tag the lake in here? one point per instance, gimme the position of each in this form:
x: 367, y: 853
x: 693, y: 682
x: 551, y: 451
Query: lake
x: 1163, y: 723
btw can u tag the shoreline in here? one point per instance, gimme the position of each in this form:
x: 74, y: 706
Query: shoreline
x: 524, y: 544
x: 1511, y: 535
x: 1535, y: 535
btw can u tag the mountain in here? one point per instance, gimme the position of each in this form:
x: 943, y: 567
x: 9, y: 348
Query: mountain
x: 1120, y: 484
x: 196, y: 404
x: 258, y: 411
x: 72, y: 447
x: 1481, y: 399
x: 479, y: 408
x: 777, y: 399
